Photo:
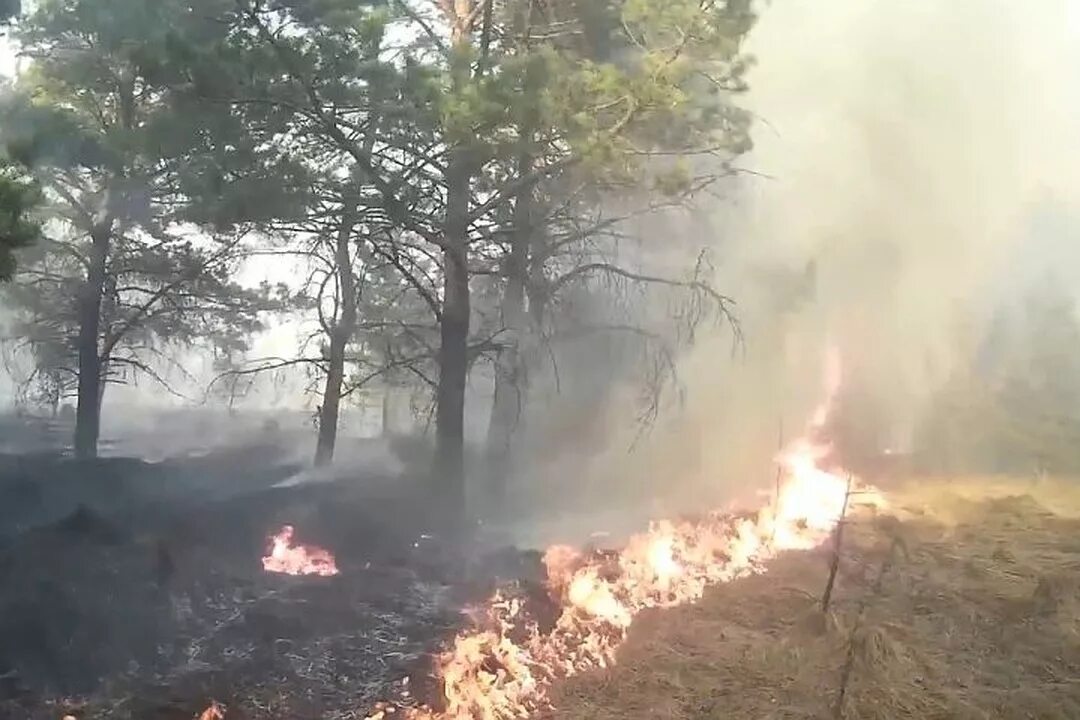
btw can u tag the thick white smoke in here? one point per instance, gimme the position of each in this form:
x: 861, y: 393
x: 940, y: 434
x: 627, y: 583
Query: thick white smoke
x: 909, y: 147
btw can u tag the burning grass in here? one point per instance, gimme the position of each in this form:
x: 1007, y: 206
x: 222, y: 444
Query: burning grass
x: 977, y: 615
x: 506, y: 665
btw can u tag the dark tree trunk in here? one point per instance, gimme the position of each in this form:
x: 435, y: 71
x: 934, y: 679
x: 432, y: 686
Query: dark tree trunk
x: 91, y: 376
x: 388, y: 408
x: 88, y: 412
x: 449, y: 466
x: 454, y: 338
x: 340, y: 335
x: 511, y: 365
x: 386, y: 413
x: 331, y: 401
x: 510, y: 369
x: 537, y: 287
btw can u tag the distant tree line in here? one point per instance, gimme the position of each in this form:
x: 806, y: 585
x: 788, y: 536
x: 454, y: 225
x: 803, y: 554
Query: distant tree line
x: 1015, y: 407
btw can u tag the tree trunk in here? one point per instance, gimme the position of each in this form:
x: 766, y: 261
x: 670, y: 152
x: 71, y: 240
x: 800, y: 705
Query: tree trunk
x: 340, y: 335
x: 449, y: 468
x: 388, y: 406
x: 511, y: 365
x: 91, y: 376
x: 387, y: 409
x: 331, y: 401
x: 389, y: 397
x: 510, y: 370
x: 454, y: 338
x: 88, y: 412
x: 537, y: 285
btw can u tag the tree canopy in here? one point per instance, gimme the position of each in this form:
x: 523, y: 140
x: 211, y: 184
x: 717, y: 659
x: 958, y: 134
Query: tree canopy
x: 454, y: 182
x: 19, y: 197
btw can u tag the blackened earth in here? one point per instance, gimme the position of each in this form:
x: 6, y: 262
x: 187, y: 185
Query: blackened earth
x: 135, y: 590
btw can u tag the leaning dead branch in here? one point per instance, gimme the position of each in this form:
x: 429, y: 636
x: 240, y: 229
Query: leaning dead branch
x: 838, y: 537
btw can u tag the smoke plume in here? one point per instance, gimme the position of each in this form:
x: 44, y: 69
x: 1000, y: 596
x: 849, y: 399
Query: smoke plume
x: 903, y: 152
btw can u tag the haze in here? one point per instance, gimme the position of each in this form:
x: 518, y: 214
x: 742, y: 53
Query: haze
x: 913, y: 175
x: 922, y: 154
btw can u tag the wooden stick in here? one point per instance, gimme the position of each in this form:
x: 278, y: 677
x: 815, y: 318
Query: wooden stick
x: 779, y: 473
x: 838, y: 538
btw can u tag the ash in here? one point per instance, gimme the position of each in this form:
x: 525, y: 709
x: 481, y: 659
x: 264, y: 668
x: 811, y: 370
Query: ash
x: 136, y: 590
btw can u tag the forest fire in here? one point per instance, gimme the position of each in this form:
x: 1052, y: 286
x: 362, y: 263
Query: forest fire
x: 290, y: 559
x: 504, y: 667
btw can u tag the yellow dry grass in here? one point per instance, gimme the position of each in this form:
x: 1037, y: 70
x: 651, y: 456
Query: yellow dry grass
x: 976, y: 617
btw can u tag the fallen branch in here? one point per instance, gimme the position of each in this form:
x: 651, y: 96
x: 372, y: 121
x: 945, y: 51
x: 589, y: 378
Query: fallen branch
x: 838, y: 538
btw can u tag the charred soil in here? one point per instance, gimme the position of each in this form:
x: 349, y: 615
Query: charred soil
x: 136, y: 590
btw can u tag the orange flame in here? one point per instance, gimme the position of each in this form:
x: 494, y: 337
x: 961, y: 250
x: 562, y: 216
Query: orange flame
x: 214, y: 711
x: 504, y: 668
x: 487, y: 675
x: 285, y: 557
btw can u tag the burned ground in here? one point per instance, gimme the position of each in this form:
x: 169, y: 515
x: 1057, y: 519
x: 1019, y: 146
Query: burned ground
x: 135, y: 590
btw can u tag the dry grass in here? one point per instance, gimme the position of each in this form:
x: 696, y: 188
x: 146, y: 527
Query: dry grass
x: 977, y: 617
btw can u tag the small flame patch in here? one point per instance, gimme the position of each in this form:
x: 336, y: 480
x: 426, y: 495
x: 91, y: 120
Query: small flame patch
x: 291, y: 559
x: 215, y: 711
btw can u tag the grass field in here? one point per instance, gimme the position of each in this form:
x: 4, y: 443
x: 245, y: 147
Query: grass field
x: 962, y: 602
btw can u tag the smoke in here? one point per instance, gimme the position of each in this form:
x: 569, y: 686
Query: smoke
x: 907, y: 148
x: 914, y: 142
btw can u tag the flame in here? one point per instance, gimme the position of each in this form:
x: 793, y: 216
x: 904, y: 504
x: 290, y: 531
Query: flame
x: 285, y: 557
x: 505, y: 666
x: 214, y: 711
